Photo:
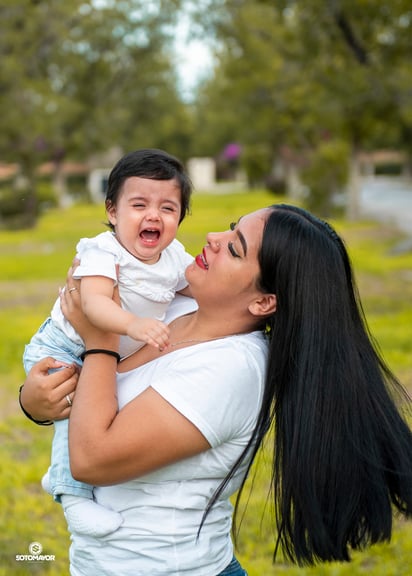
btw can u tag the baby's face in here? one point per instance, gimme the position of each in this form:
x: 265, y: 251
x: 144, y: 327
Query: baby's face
x: 146, y: 216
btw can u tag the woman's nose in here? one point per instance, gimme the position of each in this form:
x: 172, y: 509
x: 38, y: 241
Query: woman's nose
x: 213, y: 239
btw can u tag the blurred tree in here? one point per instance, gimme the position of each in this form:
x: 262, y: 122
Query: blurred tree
x: 298, y: 73
x: 259, y: 94
x: 362, y: 55
x: 80, y: 76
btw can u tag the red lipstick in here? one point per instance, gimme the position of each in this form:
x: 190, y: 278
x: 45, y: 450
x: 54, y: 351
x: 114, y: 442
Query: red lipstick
x: 201, y: 260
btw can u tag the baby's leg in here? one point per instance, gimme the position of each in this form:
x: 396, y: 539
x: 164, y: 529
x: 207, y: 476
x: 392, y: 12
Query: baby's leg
x: 83, y: 514
x: 86, y: 516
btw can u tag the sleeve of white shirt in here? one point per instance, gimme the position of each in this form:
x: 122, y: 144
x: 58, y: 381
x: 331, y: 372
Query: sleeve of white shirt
x: 220, y: 390
x: 96, y: 263
x: 184, y: 259
x: 96, y: 260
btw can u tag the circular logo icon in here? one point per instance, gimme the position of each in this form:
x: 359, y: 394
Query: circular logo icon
x: 35, y: 548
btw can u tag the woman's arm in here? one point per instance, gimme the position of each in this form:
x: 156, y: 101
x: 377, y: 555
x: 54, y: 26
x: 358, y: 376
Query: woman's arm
x: 108, y: 446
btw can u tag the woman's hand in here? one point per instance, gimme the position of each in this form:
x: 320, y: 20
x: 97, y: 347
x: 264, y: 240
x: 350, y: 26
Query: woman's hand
x: 49, y: 396
x: 70, y: 303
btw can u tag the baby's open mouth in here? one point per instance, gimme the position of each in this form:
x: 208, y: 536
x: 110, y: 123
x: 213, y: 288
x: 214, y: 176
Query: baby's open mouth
x: 150, y: 235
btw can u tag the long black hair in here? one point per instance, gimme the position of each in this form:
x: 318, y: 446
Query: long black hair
x: 342, y: 451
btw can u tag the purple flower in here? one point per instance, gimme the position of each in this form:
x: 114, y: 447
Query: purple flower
x: 232, y: 151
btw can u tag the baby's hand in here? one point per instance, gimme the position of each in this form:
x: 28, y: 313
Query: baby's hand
x: 149, y: 330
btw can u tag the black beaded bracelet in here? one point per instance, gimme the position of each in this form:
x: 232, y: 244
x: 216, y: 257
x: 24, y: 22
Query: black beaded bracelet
x: 100, y: 351
x: 39, y: 422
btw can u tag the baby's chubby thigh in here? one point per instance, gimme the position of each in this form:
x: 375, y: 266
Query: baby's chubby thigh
x: 50, y: 340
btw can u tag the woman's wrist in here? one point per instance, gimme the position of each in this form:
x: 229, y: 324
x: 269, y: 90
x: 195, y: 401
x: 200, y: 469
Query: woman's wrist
x: 29, y: 416
x: 92, y: 351
x: 97, y: 340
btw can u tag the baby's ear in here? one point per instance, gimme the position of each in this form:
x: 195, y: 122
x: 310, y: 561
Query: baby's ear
x: 264, y: 305
x: 111, y: 213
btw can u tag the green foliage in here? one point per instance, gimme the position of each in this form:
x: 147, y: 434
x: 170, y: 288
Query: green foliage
x: 285, y: 74
x: 46, y: 195
x: 79, y: 77
x: 11, y: 204
x: 13, y: 213
x: 326, y: 174
x: 257, y: 163
x: 290, y: 72
x: 34, y: 264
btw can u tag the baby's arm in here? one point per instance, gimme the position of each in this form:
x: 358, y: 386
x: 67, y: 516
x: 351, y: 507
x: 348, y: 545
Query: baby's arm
x: 102, y: 311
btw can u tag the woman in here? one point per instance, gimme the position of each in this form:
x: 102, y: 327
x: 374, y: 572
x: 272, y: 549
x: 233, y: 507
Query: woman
x: 193, y: 416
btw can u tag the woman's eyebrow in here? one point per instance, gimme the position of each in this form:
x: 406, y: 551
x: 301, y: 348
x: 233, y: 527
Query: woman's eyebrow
x: 242, y: 240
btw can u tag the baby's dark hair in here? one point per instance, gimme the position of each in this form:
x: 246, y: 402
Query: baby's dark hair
x: 155, y: 165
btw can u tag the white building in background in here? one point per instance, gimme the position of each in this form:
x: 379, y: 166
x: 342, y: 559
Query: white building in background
x: 202, y: 172
x: 97, y: 182
x: 100, y: 167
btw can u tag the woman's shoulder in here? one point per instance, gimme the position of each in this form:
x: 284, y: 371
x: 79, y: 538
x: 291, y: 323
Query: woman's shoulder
x: 179, y: 306
x: 237, y: 354
x: 236, y: 361
x: 217, y: 385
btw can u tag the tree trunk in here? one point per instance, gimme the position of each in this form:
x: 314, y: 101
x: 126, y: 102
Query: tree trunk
x: 60, y: 185
x: 26, y: 185
x: 353, y: 189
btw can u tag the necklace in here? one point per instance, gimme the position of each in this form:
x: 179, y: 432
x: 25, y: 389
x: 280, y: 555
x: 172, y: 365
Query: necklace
x: 173, y: 344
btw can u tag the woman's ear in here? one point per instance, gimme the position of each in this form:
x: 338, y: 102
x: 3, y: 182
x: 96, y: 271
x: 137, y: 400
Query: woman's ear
x: 264, y: 305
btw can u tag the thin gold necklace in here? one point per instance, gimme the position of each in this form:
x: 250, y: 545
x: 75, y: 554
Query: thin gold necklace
x: 194, y: 341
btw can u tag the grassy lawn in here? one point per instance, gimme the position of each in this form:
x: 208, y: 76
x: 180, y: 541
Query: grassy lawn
x: 33, y: 266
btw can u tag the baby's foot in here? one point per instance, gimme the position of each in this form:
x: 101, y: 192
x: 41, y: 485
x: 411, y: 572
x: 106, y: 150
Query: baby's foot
x: 45, y: 483
x: 86, y: 516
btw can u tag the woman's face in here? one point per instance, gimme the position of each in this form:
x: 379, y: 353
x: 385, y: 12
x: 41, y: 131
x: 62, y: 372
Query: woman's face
x: 228, y: 268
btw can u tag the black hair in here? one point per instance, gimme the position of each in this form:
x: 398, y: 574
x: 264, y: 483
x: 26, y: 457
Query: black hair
x: 153, y: 164
x: 342, y: 450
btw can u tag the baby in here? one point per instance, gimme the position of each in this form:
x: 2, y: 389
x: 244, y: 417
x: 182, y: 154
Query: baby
x: 148, y: 196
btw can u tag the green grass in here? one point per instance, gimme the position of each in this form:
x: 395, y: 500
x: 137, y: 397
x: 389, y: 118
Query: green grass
x: 34, y: 265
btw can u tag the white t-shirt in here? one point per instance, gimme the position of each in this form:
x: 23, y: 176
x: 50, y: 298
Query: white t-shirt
x: 218, y: 386
x: 144, y: 289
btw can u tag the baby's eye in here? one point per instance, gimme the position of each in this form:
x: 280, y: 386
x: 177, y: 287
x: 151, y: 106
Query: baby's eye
x: 232, y: 225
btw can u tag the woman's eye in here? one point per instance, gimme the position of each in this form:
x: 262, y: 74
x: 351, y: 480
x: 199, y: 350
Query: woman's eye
x: 232, y: 250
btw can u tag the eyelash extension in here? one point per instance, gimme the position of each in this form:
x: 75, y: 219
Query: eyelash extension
x: 232, y: 250
x: 232, y: 226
